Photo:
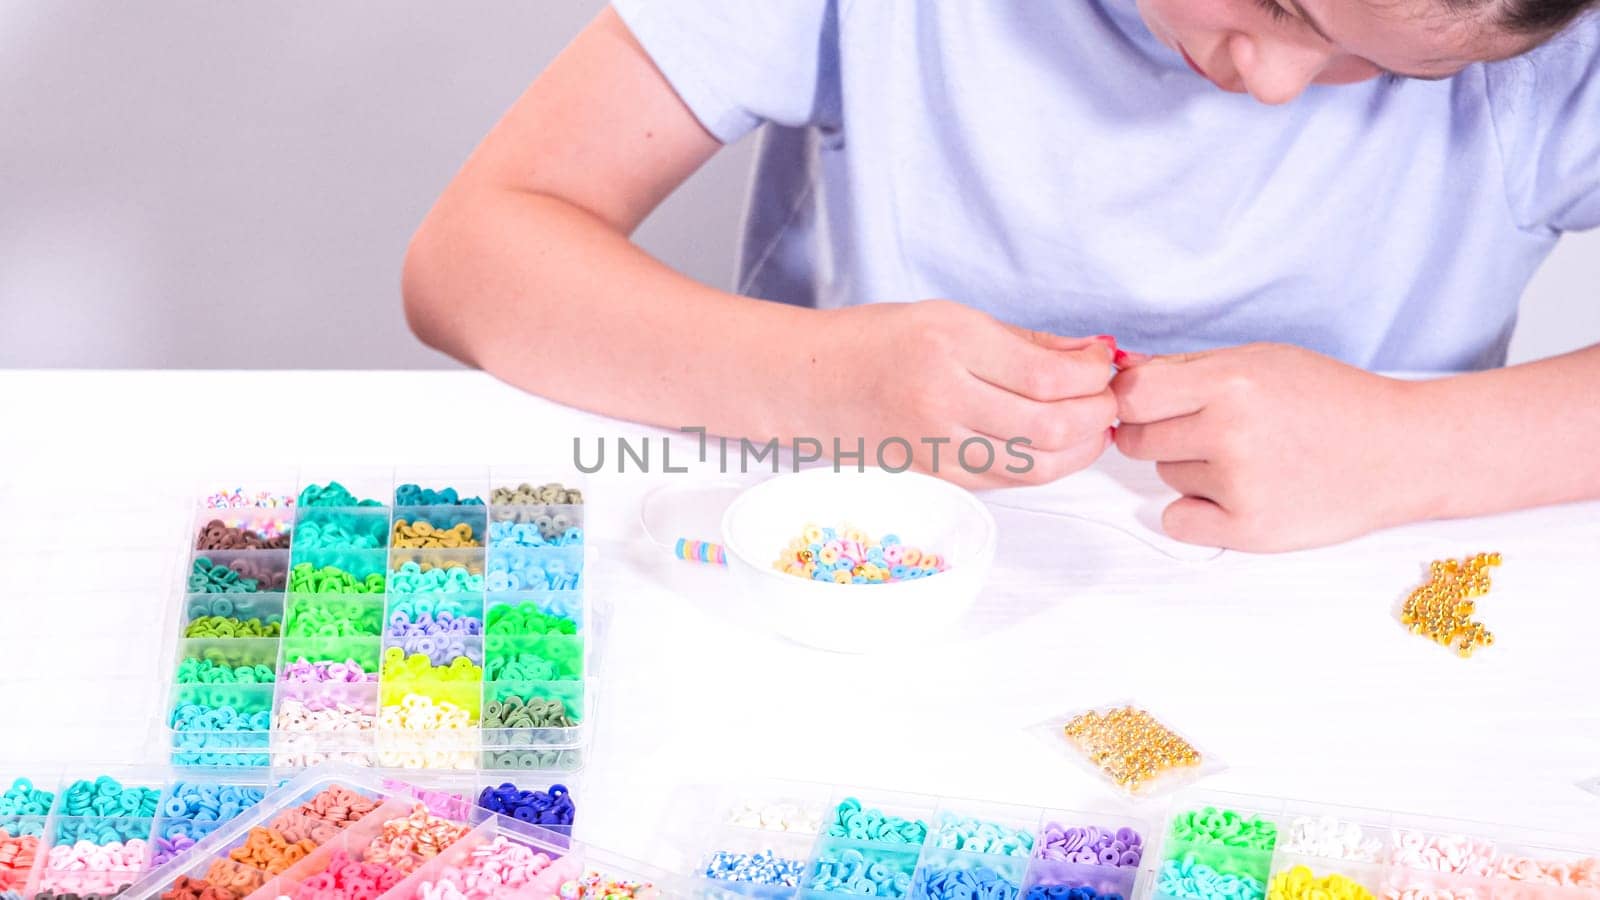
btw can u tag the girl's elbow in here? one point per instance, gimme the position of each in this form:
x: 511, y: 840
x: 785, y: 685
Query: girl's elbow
x: 420, y: 293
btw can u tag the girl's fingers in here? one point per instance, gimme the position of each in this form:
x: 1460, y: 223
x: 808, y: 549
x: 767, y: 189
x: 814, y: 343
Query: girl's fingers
x: 1162, y: 388
x: 1193, y: 478
x: 1170, y: 440
x: 1060, y: 342
x: 1050, y: 426
x: 1017, y: 364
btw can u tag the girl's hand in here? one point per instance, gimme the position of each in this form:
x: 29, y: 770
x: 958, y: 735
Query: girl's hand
x: 1273, y: 447
x: 937, y: 374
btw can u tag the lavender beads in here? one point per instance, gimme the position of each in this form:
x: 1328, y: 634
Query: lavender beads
x: 1092, y: 846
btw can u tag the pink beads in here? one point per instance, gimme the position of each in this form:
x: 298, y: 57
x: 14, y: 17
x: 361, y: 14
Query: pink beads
x: 500, y: 868
x: 86, y: 867
x: 1450, y: 853
x: 347, y: 879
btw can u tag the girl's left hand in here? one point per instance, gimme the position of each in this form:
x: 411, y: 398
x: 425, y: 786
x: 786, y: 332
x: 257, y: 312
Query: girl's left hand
x: 1273, y: 447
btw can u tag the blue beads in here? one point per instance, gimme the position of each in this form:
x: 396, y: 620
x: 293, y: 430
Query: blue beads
x: 417, y: 495
x: 965, y: 883
x: 200, y: 731
x: 505, y: 535
x: 975, y: 836
x: 870, y: 872
x: 551, y: 808
x: 533, y: 572
x: 1067, y: 892
x: 850, y: 820
x: 194, y: 810
x: 765, y: 867
x: 23, y: 808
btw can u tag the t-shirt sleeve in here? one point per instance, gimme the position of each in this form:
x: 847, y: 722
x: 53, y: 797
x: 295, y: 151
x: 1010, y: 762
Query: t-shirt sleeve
x: 1546, y: 108
x: 739, y: 63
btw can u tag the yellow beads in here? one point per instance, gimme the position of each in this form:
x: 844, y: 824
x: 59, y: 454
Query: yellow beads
x: 421, y: 533
x: 1298, y: 883
x: 1130, y: 746
x: 1442, y: 608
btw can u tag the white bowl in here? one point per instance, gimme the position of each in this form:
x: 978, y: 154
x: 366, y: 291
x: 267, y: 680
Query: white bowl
x: 924, y: 512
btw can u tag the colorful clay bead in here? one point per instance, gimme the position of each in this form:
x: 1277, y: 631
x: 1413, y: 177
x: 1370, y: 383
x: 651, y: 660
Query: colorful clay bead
x: 88, y: 867
x: 417, y: 495
x: 597, y: 886
x: 106, y: 797
x: 974, y: 836
x: 851, y: 821
x: 230, y: 627
x: 302, y: 671
x: 552, y: 494
x: 551, y: 808
x: 331, y: 616
x: 422, y: 533
x: 1187, y: 879
x: 766, y: 868
x: 513, y: 711
x: 496, y: 869
x: 1091, y: 846
x: 304, y: 578
x: 525, y: 619
x: 237, y: 498
x: 1299, y: 883
x: 965, y: 882
x: 850, y: 556
x: 324, y: 531
x: 1068, y: 892
x: 334, y: 494
x: 239, y: 576
x: 1330, y: 838
x: 196, y: 670
x: 854, y: 871
x: 781, y: 815
x: 415, y: 578
x: 544, y: 530
x: 533, y: 571
x: 541, y: 659
x: 219, y: 535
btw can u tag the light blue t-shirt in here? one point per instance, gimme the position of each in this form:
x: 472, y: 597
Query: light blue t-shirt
x: 1051, y: 163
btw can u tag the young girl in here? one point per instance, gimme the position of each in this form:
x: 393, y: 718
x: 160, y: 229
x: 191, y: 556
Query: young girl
x: 946, y: 187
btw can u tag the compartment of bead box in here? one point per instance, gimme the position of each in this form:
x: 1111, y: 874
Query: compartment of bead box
x: 381, y: 629
x: 822, y: 840
x: 396, y: 839
x: 1331, y: 852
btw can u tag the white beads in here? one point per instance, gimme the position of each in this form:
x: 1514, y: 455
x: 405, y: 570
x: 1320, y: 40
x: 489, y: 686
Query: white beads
x: 1330, y: 838
x: 775, y: 816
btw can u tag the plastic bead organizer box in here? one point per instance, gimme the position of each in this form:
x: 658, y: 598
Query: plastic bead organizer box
x: 403, y: 620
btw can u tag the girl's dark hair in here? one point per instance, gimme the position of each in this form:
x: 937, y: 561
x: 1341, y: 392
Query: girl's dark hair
x: 1542, y: 17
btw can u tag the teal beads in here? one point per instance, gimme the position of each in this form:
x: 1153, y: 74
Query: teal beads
x: 335, y: 494
x: 203, y: 671
x: 853, y: 822
x: 975, y: 836
x: 411, y: 578
x: 23, y: 808
x: 105, y: 796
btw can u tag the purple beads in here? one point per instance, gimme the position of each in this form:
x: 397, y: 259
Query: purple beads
x: 402, y: 625
x: 302, y: 672
x: 1091, y: 846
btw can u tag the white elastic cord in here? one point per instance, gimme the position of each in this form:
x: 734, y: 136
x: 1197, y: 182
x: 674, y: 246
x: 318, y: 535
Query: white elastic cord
x: 1136, y: 535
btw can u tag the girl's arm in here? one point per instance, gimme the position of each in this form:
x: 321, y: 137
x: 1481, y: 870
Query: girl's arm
x: 525, y: 268
x: 1276, y: 447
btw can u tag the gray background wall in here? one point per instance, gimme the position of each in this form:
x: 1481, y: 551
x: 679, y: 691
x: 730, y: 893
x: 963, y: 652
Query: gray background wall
x: 195, y: 184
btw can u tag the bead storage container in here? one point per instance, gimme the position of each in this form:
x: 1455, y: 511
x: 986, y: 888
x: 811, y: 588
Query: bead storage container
x: 409, y: 618
x: 1256, y: 848
x: 789, y: 839
x: 340, y: 831
x: 74, y: 831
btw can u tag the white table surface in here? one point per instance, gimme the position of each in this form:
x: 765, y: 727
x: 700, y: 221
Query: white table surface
x: 1291, y: 669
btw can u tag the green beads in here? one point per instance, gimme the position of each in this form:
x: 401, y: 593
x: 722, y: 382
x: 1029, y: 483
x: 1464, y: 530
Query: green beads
x: 204, y: 671
x: 1226, y: 827
x: 305, y: 578
x: 516, y: 712
x: 334, y: 616
x: 525, y: 619
x: 552, y: 657
x: 230, y: 627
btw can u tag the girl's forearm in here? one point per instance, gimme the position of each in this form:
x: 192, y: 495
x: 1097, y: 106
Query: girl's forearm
x: 546, y: 296
x: 1506, y: 439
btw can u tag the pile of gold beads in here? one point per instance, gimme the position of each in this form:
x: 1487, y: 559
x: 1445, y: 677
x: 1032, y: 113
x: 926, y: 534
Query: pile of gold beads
x: 1130, y: 746
x: 422, y: 533
x: 1442, y: 608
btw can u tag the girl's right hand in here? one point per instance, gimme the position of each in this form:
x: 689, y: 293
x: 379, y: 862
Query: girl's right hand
x: 952, y: 382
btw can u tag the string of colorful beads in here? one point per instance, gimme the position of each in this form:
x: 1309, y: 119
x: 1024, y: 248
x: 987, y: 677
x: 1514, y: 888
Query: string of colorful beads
x: 237, y: 498
x: 333, y: 615
x: 417, y: 495
x: 422, y: 533
x: 765, y: 867
x: 1299, y: 883
x: 334, y: 494
x: 513, y: 711
x: 339, y: 531
x: 1330, y: 838
x: 302, y: 671
x: 238, y: 576
x: 195, y: 670
x: 416, y: 578
x: 1091, y: 846
x: 525, y: 494
x: 552, y: 808
x: 532, y: 571
x: 702, y: 551
x: 960, y: 881
x: 500, y: 868
x: 1129, y: 746
x: 305, y: 578
x: 1442, y: 607
x: 192, y: 811
x: 219, y: 535
x: 850, y: 556
x: 543, y: 531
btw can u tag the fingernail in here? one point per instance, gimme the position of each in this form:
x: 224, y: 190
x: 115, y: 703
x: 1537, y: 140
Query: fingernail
x: 1120, y: 357
x: 1110, y: 341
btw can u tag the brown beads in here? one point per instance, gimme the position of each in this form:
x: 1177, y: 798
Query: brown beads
x: 218, y: 536
x: 1442, y: 608
x: 1130, y: 746
x: 422, y: 533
